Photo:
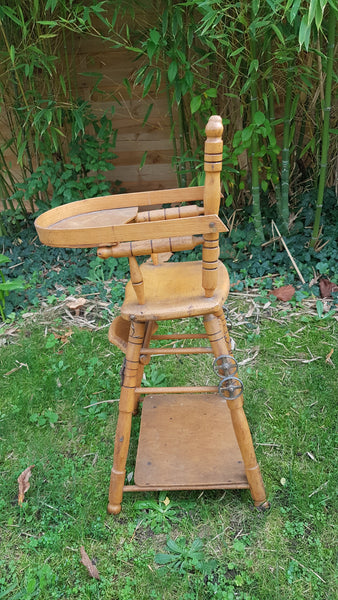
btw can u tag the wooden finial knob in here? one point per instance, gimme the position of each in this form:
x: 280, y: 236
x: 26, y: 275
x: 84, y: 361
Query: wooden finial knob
x: 214, y: 128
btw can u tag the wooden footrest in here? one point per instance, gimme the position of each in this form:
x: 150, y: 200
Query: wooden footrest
x: 187, y: 442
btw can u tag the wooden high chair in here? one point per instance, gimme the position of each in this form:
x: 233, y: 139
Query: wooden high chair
x: 189, y: 439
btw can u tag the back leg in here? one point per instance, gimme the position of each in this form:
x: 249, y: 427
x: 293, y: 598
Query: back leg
x: 218, y: 334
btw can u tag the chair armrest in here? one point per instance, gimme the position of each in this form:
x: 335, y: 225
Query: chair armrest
x: 132, y: 232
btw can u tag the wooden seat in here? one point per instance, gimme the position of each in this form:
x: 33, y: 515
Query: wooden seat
x: 190, y: 437
x: 174, y: 291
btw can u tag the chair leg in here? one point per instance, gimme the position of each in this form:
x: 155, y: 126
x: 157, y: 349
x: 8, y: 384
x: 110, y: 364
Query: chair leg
x: 150, y: 327
x: 127, y: 405
x: 217, y: 331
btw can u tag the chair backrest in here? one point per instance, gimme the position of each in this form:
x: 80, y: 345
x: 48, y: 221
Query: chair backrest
x: 178, y: 227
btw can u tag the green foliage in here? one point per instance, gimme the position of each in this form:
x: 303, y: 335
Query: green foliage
x: 7, y: 285
x: 80, y: 175
x: 46, y: 127
x: 240, y: 60
x: 184, y: 557
x: 160, y: 515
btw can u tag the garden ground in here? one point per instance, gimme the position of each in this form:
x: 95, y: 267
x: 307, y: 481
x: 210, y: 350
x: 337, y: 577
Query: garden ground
x: 57, y: 372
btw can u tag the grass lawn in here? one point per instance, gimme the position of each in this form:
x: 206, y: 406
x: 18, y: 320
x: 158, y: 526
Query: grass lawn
x: 183, y: 545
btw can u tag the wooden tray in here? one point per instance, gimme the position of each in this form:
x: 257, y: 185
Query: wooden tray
x: 83, y: 224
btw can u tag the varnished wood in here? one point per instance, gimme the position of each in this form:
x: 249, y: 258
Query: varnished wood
x: 178, y: 212
x: 187, y: 442
x: 191, y: 437
x: 211, y: 201
x: 220, y: 343
x: 197, y: 389
x: 111, y: 234
x: 186, y: 350
x: 136, y: 279
x: 174, y: 291
x: 127, y: 405
x: 62, y: 227
x: 152, y: 247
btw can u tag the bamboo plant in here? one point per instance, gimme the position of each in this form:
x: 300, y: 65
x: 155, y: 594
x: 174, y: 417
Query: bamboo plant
x: 326, y: 124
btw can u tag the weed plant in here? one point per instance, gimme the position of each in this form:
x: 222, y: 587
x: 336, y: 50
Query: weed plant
x: 184, y: 545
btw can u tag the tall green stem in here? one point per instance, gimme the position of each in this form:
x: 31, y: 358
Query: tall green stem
x: 326, y: 125
x: 256, y: 208
x: 285, y: 172
x: 274, y: 161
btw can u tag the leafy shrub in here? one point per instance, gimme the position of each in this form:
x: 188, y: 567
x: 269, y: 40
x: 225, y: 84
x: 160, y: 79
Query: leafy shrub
x: 82, y: 174
x: 7, y: 285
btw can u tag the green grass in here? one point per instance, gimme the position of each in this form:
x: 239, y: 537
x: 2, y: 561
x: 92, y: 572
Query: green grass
x: 286, y: 553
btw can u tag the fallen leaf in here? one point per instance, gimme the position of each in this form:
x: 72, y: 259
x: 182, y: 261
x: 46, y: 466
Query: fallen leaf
x: 63, y: 336
x: 24, y: 485
x: 91, y: 568
x: 327, y: 287
x: 166, y: 501
x: 284, y: 293
x: 77, y: 305
x: 328, y: 358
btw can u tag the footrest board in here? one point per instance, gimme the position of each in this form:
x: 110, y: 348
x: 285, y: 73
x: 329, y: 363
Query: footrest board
x: 187, y: 441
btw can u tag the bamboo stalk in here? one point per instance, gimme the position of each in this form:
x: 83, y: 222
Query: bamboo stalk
x: 326, y: 125
x: 256, y: 209
x: 285, y: 172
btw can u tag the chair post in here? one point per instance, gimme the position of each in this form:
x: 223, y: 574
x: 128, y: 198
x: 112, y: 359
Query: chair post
x: 220, y: 344
x: 127, y: 405
x: 213, y: 150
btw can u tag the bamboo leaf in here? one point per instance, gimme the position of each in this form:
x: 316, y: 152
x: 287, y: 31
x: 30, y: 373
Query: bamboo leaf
x: 253, y: 65
x: 278, y: 33
x: 63, y: 84
x: 304, y: 33
x: 127, y: 85
x: 255, y: 6
x: 195, y: 104
x: 294, y: 10
x: 319, y: 15
x: 238, y: 51
x: 143, y: 160
x: 147, y: 82
x: 312, y: 10
x: 172, y: 71
x: 9, y: 12
x: 12, y: 54
x: 150, y: 108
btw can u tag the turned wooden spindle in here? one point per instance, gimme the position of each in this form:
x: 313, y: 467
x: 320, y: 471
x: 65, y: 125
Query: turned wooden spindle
x: 151, y: 247
x: 220, y: 344
x: 127, y: 406
x: 212, y: 194
x: 136, y: 279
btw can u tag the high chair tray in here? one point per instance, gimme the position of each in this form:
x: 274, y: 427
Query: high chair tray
x: 187, y: 441
x: 82, y: 224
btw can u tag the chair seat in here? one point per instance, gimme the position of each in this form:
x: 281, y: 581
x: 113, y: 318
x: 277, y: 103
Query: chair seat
x: 174, y: 290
